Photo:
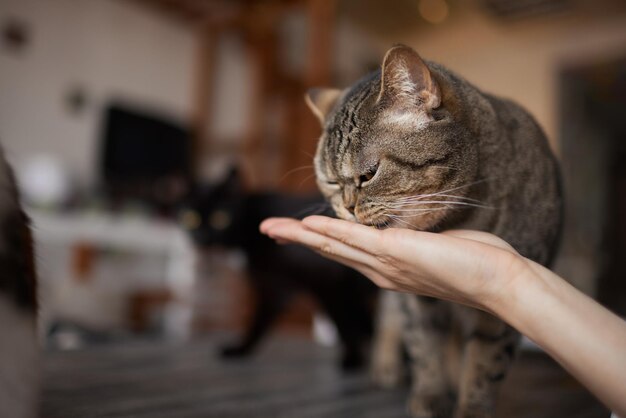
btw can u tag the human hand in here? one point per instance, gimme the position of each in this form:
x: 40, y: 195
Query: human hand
x: 469, y: 267
x: 480, y: 270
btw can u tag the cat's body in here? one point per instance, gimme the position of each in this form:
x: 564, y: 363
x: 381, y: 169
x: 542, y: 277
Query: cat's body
x: 416, y: 146
x: 231, y: 218
x: 19, y: 348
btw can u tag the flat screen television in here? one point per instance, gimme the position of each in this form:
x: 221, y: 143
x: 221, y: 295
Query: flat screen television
x: 145, y: 157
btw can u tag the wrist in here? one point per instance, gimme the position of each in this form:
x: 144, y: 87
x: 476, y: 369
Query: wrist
x: 511, y: 293
x: 531, y: 302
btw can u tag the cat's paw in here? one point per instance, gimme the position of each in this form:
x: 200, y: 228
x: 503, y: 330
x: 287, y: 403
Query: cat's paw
x: 386, y: 370
x: 234, y: 351
x: 430, y: 406
x: 475, y: 412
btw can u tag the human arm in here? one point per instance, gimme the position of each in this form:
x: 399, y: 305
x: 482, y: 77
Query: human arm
x: 483, y: 271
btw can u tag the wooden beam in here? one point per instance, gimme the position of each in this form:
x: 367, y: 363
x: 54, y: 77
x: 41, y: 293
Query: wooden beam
x: 260, y: 26
x: 318, y: 72
x: 192, y: 12
x: 205, y: 62
x: 321, y: 32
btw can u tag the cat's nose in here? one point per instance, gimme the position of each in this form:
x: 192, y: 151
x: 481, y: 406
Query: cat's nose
x: 349, y: 198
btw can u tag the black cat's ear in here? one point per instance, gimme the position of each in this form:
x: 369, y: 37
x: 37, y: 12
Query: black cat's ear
x: 321, y: 101
x: 233, y: 174
x: 232, y: 179
x: 406, y: 81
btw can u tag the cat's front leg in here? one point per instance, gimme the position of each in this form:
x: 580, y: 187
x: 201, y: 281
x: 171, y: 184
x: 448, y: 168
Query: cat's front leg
x: 426, y: 334
x: 488, y: 355
x: 387, y: 361
x: 269, y: 305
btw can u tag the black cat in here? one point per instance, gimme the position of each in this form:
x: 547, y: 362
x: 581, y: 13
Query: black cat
x: 224, y: 215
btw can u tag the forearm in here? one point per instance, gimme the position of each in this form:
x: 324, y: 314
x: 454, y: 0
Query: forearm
x: 585, y: 338
x: 481, y: 270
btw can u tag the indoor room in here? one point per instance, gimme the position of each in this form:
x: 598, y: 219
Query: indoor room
x: 147, y: 141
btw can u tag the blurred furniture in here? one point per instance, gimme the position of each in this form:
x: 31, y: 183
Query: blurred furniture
x: 171, y: 282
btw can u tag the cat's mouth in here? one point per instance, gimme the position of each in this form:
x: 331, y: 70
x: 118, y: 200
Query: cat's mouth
x: 418, y: 222
x: 421, y: 220
x: 380, y: 224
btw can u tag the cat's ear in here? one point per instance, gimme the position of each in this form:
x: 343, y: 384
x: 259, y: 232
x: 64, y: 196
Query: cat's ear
x: 406, y: 80
x: 321, y: 101
x: 232, y: 179
x: 232, y: 173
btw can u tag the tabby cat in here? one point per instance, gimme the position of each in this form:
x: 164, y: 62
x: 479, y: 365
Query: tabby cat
x: 415, y: 146
x: 19, y: 349
x: 223, y: 214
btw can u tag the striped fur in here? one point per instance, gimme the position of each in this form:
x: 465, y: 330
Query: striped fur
x: 433, y: 153
x: 19, y: 350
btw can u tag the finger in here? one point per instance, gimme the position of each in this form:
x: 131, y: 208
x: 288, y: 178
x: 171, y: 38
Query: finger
x: 269, y: 226
x: 362, y: 237
x: 269, y: 222
x: 295, y: 231
x: 373, y: 275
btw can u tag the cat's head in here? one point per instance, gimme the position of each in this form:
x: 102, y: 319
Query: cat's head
x: 213, y: 212
x: 394, y: 150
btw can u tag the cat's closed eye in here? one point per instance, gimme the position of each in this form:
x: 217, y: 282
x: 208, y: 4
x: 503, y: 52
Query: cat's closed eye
x: 368, y: 176
x: 439, y: 114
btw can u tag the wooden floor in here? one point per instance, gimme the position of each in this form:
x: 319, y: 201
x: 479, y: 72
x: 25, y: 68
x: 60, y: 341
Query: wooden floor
x: 288, y: 378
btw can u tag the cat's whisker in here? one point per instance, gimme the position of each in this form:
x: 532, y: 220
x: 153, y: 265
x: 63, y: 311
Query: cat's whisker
x: 400, y: 220
x: 416, y: 210
x: 313, y: 210
x: 451, y: 199
x: 452, y: 196
x: 444, y: 205
x: 444, y: 167
x: 474, y: 183
x: 294, y: 170
x: 432, y: 202
x: 425, y: 212
x: 305, y: 180
x: 424, y: 196
x: 441, y: 202
x: 464, y: 186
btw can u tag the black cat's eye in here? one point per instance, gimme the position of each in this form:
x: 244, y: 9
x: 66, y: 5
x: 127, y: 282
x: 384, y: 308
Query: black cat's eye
x: 364, y: 178
x: 190, y: 219
x: 219, y: 219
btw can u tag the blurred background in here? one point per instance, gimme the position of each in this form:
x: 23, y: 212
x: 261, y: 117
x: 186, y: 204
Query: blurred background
x: 111, y: 111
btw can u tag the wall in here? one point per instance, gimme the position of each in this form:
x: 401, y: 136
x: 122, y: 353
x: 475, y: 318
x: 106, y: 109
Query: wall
x: 519, y: 60
x: 108, y: 48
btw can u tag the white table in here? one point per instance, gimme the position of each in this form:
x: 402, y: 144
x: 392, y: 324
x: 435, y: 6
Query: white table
x: 133, y: 234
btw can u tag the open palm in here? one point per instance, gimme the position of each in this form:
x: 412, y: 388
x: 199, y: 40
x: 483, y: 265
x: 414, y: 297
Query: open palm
x: 468, y: 267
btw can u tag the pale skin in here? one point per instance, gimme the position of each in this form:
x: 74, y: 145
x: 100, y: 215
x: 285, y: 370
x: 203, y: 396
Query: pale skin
x: 481, y: 270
